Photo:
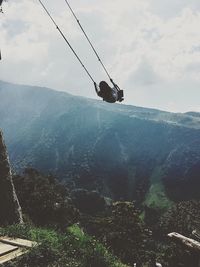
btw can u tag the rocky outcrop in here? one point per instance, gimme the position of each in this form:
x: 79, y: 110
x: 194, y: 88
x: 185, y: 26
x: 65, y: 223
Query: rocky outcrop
x: 10, y: 210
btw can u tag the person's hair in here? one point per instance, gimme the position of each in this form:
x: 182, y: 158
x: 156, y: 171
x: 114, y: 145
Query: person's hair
x: 103, y: 88
x: 103, y: 84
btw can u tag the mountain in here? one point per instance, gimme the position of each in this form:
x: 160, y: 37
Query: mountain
x: 124, y: 152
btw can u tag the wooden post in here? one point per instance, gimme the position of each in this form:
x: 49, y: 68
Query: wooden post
x: 189, y: 242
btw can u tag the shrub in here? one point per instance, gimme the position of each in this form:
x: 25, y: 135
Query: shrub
x: 72, y: 249
x: 44, y: 200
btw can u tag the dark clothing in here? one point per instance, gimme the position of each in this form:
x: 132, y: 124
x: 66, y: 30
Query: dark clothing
x: 110, y: 95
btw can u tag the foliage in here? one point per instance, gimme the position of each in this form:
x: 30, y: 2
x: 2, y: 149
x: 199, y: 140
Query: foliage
x: 175, y: 255
x: 72, y: 249
x: 110, y: 149
x: 122, y: 231
x: 44, y: 200
x: 90, y: 202
x: 183, y: 217
x: 156, y: 198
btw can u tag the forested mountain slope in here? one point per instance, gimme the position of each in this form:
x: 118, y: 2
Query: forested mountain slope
x: 125, y: 152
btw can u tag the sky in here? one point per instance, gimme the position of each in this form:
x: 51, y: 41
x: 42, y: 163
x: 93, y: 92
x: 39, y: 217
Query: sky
x: 150, y: 47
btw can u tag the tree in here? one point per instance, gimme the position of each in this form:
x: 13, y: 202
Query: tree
x: 44, y: 200
x: 122, y: 231
x: 10, y: 209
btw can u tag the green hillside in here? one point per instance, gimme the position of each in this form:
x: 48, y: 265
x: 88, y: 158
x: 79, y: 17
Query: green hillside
x: 114, y: 149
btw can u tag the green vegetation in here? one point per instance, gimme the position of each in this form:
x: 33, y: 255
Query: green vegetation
x: 120, y: 146
x: 71, y: 249
x: 50, y: 215
x: 44, y: 201
x: 131, y: 154
x: 113, y: 236
x: 156, y: 197
x: 183, y: 217
x: 122, y: 231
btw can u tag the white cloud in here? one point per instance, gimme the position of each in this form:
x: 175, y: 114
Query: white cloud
x: 151, y: 47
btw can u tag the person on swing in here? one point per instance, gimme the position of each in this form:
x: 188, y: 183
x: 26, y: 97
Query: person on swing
x: 110, y: 95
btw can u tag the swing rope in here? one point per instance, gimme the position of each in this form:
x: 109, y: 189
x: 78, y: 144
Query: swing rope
x: 89, y: 41
x: 64, y: 37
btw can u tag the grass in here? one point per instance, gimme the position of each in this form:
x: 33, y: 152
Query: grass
x: 156, y: 197
x: 71, y: 249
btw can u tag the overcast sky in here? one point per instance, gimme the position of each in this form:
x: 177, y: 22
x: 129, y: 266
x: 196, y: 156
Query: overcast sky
x: 150, y: 47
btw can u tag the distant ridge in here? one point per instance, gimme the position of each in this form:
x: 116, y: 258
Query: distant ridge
x: 122, y: 151
x: 192, y: 113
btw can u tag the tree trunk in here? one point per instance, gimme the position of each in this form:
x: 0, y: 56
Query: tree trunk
x: 10, y: 209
